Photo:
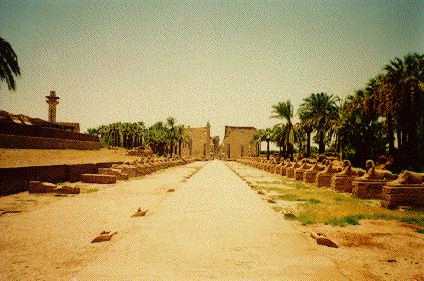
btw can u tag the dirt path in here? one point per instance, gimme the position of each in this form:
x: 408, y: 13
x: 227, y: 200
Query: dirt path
x: 213, y: 228
x: 50, y: 239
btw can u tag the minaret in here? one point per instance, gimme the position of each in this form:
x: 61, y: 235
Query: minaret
x: 52, y: 101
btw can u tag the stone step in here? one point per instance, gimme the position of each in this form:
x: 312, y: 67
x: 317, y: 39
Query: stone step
x: 98, y: 178
x: 114, y: 172
x: 41, y: 187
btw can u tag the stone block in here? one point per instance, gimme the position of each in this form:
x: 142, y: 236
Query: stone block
x: 342, y: 183
x: 403, y: 195
x: 323, y: 180
x: 114, y: 172
x: 368, y: 189
x: 97, y: 178
x: 68, y: 190
x: 298, y: 175
x: 41, y: 187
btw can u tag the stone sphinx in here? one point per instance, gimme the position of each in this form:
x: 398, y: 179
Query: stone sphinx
x: 323, y: 178
x: 272, y: 163
x: 285, y: 167
x: 370, y: 185
x: 309, y: 175
x: 277, y: 167
x: 342, y: 181
x: 290, y: 171
x: 298, y: 173
x: 372, y: 173
x: 408, y: 178
x: 406, y: 190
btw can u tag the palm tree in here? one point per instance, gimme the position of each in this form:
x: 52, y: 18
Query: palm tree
x: 401, y: 98
x: 172, y: 137
x: 319, y: 109
x: 9, y: 66
x: 306, y: 126
x: 181, y: 137
x: 284, y: 112
x: 266, y: 135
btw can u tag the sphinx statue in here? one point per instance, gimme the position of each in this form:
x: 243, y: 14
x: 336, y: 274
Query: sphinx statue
x: 346, y: 169
x: 408, y: 178
x: 323, y: 178
x: 372, y: 173
x: 370, y: 185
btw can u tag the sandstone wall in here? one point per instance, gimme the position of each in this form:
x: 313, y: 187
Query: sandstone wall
x: 14, y: 180
x: 19, y: 141
x: 41, y: 131
x: 199, y: 143
x: 237, y: 142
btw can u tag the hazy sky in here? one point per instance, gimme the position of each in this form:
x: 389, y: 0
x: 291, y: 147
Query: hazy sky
x: 223, y: 61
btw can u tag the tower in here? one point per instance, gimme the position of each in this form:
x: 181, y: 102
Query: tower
x: 52, y: 100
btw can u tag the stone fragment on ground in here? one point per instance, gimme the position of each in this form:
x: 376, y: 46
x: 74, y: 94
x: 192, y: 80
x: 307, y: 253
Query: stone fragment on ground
x: 270, y: 200
x: 104, y: 236
x: 289, y: 216
x: 171, y: 190
x: 322, y: 239
x: 66, y: 189
x: 140, y: 212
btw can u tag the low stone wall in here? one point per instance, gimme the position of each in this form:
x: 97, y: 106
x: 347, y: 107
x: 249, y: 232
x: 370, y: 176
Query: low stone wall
x: 54, y: 131
x: 394, y: 196
x: 14, y: 180
x: 17, y: 141
x: 368, y: 189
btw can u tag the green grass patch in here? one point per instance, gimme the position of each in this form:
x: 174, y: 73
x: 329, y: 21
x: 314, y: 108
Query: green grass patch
x: 322, y: 205
x: 313, y: 201
x: 343, y: 221
x: 413, y: 220
x: 421, y: 231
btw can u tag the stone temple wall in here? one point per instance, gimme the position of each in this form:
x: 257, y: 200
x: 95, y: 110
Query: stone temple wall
x: 198, y: 146
x: 237, y: 142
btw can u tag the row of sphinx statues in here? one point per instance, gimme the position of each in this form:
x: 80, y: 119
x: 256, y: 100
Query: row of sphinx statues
x: 328, y: 171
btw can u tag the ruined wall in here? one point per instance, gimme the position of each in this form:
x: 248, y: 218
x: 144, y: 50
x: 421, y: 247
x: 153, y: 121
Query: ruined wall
x: 237, y: 142
x: 199, y: 143
x: 15, y: 141
x: 39, y: 137
x: 14, y: 180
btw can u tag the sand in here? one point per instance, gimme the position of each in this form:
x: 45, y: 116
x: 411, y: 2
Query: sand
x: 213, y: 227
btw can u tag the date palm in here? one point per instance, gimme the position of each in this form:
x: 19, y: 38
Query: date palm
x: 319, y: 109
x: 284, y: 112
x: 9, y: 66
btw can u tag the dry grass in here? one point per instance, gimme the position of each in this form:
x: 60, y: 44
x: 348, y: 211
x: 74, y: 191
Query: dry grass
x: 322, y: 205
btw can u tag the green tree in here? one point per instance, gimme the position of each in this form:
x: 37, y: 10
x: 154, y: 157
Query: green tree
x: 319, y: 109
x: 285, y: 135
x: 9, y: 66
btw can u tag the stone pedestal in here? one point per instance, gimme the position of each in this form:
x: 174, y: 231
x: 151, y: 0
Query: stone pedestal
x: 368, y: 189
x: 403, y: 195
x: 290, y: 172
x: 283, y: 171
x: 323, y: 180
x: 342, y: 183
x: 310, y: 176
x: 298, y: 175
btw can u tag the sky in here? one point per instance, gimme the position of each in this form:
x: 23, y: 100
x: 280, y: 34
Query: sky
x: 226, y: 62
